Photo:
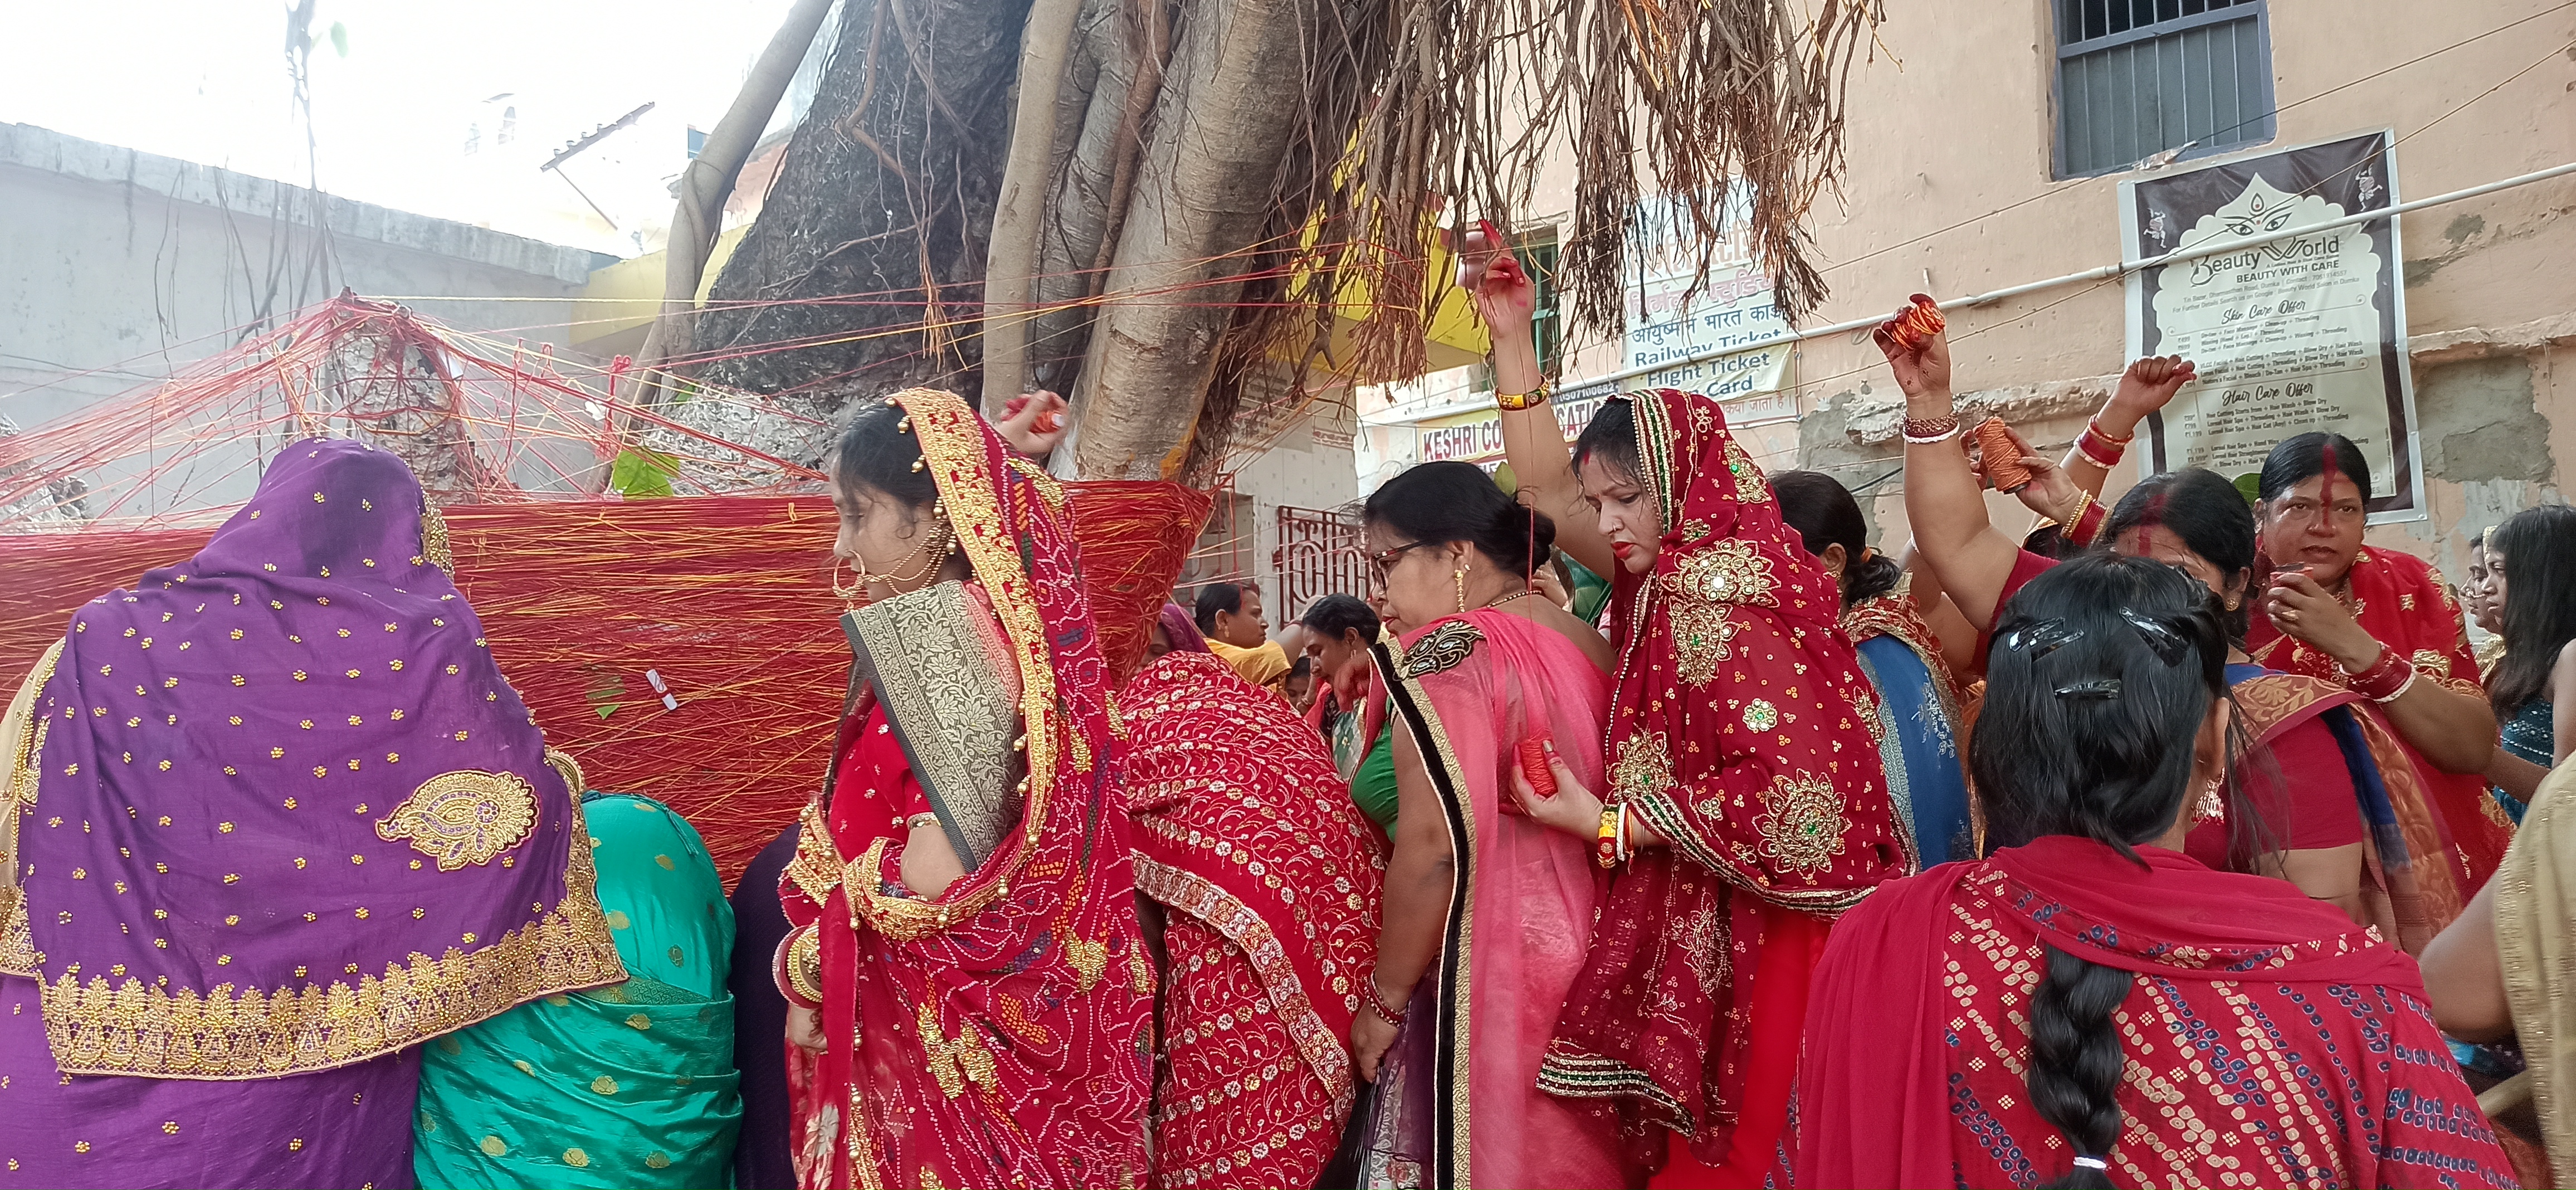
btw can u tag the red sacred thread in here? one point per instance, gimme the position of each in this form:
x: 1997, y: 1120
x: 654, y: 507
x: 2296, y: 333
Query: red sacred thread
x: 726, y: 599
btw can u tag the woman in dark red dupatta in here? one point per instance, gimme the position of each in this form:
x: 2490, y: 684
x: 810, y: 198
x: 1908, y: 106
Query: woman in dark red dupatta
x: 1268, y: 878
x: 963, y: 894
x: 2379, y: 622
x: 1746, y: 794
x: 2089, y: 1006
x: 1746, y: 802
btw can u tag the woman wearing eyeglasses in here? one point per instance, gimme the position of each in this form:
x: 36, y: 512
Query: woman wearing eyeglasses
x: 1487, y: 913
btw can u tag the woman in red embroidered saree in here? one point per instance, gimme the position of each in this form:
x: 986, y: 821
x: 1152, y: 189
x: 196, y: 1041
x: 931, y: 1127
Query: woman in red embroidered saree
x: 1749, y: 792
x: 1487, y: 912
x: 2091, y: 1007
x: 963, y: 896
x: 1268, y: 878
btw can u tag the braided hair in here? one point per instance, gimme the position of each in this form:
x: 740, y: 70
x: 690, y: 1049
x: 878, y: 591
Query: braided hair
x: 2119, y: 659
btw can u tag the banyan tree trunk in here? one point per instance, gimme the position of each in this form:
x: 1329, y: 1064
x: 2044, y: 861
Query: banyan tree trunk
x: 1202, y: 195
x: 864, y: 271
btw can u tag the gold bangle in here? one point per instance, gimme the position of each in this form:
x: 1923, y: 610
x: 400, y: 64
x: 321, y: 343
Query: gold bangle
x: 805, y: 965
x: 1516, y: 402
x: 918, y: 821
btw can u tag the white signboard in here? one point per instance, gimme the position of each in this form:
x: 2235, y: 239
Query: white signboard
x: 1669, y: 322
x: 2290, y: 335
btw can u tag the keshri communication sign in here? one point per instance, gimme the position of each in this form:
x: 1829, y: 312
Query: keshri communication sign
x: 2302, y: 333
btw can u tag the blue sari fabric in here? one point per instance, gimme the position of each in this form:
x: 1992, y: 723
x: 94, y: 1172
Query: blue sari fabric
x: 2529, y: 734
x: 1921, y: 750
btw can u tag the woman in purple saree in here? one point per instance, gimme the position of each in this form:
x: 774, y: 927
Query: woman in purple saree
x: 280, y: 821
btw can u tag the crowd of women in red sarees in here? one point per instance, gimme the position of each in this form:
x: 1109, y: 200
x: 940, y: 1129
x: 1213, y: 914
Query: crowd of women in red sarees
x: 1703, y: 899
x: 2231, y: 773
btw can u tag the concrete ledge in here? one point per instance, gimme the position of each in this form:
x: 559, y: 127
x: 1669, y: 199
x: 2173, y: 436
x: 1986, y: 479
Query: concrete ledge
x: 29, y: 147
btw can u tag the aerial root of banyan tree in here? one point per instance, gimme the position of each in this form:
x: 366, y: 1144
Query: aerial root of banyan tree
x: 1215, y: 181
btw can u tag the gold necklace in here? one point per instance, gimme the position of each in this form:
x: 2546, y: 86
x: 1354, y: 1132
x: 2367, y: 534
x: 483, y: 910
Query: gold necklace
x: 932, y: 553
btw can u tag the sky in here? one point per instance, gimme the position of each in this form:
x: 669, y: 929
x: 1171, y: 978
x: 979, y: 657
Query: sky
x: 209, y: 81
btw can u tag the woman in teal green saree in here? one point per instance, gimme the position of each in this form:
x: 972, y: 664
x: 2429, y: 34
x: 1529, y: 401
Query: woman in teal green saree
x: 629, y: 1085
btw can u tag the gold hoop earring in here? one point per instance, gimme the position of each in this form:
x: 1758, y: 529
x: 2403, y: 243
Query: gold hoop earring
x: 1461, y: 576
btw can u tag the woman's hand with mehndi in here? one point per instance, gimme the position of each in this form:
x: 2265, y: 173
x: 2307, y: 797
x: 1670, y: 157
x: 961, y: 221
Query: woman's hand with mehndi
x: 805, y: 1029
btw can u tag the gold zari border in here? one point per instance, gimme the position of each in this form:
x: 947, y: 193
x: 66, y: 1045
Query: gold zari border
x: 225, y: 1034
x: 953, y: 447
x: 22, y: 739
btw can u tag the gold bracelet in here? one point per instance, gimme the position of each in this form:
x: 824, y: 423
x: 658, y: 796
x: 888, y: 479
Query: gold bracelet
x: 1516, y: 402
x: 805, y: 965
x: 918, y: 821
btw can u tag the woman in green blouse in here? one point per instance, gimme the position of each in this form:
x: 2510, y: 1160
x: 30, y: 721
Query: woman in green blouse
x: 1339, y: 629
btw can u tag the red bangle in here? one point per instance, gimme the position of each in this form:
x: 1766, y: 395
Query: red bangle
x: 2384, y: 679
x: 1377, y: 1000
x: 2088, y: 523
x: 2093, y: 426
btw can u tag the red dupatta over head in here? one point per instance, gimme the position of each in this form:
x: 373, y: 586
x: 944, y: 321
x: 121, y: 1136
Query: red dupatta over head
x: 1742, y: 731
x: 2403, y: 603
x: 1000, y: 1029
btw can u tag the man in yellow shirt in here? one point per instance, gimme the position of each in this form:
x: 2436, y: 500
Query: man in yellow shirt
x: 1230, y: 617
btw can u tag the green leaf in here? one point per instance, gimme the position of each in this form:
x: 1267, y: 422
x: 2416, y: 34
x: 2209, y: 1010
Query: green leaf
x: 641, y: 474
x: 2250, y: 486
x: 340, y: 38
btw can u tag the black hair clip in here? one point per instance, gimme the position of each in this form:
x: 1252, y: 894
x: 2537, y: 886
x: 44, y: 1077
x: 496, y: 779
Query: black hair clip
x: 2093, y: 689
x: 2043, y: 638
x: 2168, y: 644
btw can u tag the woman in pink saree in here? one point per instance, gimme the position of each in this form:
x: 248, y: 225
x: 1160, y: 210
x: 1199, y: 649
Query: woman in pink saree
x: 1488, y: 915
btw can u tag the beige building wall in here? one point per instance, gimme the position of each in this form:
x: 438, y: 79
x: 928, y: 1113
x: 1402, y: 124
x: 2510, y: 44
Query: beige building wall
x: 1949, y: 190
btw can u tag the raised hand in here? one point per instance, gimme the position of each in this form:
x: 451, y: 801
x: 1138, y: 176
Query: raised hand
x: 2051, y: 492
x: 1923, y: 371
x: 1033, y: 423
x: 2150, y: 384
x: 1505, y: 296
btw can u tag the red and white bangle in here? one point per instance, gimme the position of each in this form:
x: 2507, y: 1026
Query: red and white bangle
x: 797, y: 967
x: 2098, y: 445
x: 2383, y: 680
x: 1930, y: 431
x: 1377, y: 1000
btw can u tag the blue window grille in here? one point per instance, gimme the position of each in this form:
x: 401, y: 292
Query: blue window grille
x: 2139, y: 77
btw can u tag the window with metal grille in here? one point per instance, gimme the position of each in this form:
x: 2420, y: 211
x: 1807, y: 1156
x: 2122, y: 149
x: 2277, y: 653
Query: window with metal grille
x: 2138, y: 77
